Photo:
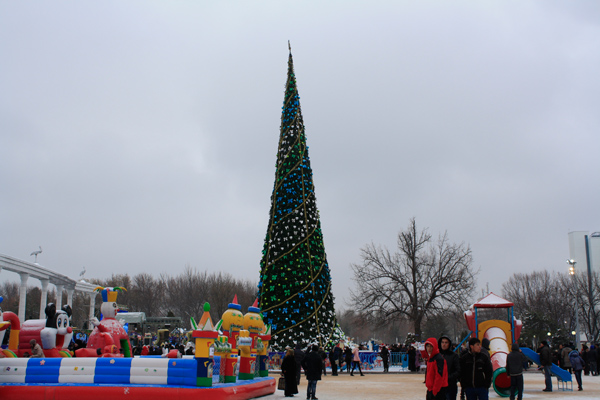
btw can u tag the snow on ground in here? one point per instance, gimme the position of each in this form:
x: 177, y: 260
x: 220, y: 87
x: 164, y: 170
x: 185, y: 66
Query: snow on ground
x: 407, y: 386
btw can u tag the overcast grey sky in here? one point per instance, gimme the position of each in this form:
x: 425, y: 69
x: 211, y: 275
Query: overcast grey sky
x: 142, y: 135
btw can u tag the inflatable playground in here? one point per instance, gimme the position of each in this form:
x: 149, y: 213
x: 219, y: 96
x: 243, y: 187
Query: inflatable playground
x: 229, y: 361
x: 501, y: 334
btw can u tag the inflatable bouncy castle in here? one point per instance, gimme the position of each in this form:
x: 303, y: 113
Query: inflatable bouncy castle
x: 119, y: 376
x: 53, y: 333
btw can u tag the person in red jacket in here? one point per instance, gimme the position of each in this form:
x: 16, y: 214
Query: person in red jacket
x: 436, y: 379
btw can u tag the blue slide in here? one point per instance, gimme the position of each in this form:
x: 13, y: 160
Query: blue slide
x: 555, y: 369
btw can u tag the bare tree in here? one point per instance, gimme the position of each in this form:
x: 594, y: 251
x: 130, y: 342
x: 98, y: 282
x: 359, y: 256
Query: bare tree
x: 185, y: 294
x: 585, y: 289
x: 146, y: 295
x: 421, y: 278
x: 221, y: 289
x: 10, y: 293
x: 545, y: 304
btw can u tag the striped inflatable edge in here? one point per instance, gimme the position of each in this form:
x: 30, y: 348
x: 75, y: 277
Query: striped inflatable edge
x: 8, y: 353
x: 238, y: 391
x: 86, y: 370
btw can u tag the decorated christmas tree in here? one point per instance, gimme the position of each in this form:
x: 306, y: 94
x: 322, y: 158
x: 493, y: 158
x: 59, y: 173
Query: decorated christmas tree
x: 295, y: 283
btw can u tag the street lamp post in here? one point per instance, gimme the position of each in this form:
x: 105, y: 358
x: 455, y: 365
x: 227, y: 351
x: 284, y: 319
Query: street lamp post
x: 572, y: 273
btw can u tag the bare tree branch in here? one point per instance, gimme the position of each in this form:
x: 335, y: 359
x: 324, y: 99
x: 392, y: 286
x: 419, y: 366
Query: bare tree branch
x: 421, y: 278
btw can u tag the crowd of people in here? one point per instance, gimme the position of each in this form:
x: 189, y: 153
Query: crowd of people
x: 568, y: 359
x: 470, y: 366
x: 473, y: 367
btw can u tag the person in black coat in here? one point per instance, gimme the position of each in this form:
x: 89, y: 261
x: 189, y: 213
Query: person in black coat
x: 593, y: 360
x: 385, y: 357
x: 334, y: 356
x: 412, y: 358
x: 348, y: 358
x: 475, y: 371
x: 323, y: 355
x: 299, y: 355
x: 313, y: 366
x: 546, y: 363
x: 453, y: 363
x: 514, y: 369
x: 288, y: 370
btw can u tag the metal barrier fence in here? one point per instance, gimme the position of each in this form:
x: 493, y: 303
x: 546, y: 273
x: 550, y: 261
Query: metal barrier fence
x: 369, y: 360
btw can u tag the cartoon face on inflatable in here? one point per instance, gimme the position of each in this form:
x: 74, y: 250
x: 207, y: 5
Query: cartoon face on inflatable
x: 62, y: 323
x: 233, y: 319
x: 108, y: 309
x: 57, y: 327
x: 253, y: 321
x: 109, y: 300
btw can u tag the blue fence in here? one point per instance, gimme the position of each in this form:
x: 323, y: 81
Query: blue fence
x: 369, y: 360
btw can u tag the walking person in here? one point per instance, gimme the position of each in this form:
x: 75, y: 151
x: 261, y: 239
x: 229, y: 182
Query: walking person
x: 348, y: 358
x: 299, y: 357
x: 586, y: 359
x: 288, y: 370
x: 475, y: 372
x: 577, y: 364
x: 514, y: 369
x: 436, y: 378
x: 593, y: 360
x: 323, y: 355
x: 412, y: 356
x: 339, y: 350
x: 332, y: 362
x: 453, y: 364
x: 565, y: 362
x: 356, y: 361
x: 385, y: 357
x: 546, y: 363
x: 313, y: 365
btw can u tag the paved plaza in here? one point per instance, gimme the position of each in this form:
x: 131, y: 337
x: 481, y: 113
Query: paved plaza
x: 409, y: 386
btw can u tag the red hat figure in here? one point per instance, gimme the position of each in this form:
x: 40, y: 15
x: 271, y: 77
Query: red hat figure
x: 109, y: 325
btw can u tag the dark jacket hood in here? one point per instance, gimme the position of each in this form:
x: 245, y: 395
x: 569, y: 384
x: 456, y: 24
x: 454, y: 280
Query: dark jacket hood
x: 515, y: 347
x: 485, y: 343
x: 440, y: 342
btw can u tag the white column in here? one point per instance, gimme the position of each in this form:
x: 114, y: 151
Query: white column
x: 70, y: 297
x: 44, y: 300
x: 23, y: 295
x: 92, y: 306
x: 59, y: 290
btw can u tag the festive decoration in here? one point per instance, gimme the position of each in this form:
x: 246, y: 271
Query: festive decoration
x: 262, y: 349
x: 337, y: 336
x: 253, y: 323
x: 226, y: 370
x: 247, y: 357
x: 204, y: 338
x: 295, y: 283
x: 232, y: 322
x: 108, y: 327
x: 105, y: 374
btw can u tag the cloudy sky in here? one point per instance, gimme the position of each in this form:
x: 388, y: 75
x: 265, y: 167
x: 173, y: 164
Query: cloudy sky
x: 142, y: 135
